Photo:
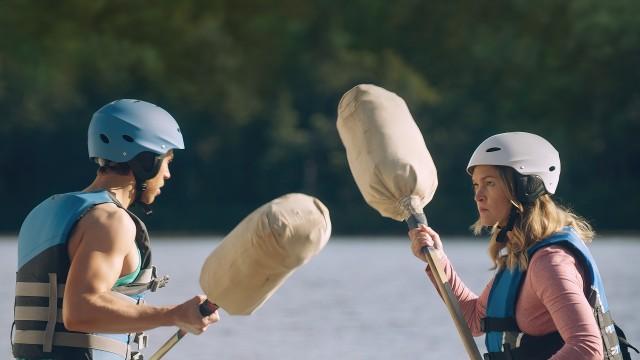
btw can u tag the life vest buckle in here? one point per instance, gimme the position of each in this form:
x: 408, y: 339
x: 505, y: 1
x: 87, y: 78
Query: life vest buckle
x: 141, y: 339
x: 158, y: 282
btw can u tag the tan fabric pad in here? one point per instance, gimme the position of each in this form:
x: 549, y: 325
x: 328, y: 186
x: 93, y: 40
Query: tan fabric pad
x: 252, y: 261
x: 386, y: 152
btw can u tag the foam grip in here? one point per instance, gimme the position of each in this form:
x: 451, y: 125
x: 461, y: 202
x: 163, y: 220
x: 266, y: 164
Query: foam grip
x: 207, y: 308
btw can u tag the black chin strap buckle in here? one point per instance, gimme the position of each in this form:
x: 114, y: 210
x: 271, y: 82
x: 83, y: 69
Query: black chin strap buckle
x: 146, y: 209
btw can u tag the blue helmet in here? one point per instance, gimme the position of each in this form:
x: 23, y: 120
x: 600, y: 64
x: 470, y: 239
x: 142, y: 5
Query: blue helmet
x: 123, y: 129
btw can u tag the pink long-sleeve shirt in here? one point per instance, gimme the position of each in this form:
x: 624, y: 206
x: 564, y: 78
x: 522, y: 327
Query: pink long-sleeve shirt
x: 552, y: 298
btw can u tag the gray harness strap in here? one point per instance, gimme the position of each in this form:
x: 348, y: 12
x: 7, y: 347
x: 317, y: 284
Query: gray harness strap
x: 146, y: 280
x: 33, y: 313
x: 52, y: 313
x: 36, y: 289
x: 34, y: 337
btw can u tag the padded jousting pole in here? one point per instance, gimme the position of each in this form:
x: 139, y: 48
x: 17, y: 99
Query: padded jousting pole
x: 258, y: 255
x: 394, y: 171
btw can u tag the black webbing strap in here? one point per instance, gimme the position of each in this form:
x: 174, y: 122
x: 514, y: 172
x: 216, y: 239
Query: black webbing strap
x: 502, y: 235
x: 497, y: 356
x: 531, y: 347
x: 624, y: 344
x: 507, y: 354
x: 498, y: 324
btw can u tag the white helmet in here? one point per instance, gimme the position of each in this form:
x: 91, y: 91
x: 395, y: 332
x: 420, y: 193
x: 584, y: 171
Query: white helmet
x: 528, y: 154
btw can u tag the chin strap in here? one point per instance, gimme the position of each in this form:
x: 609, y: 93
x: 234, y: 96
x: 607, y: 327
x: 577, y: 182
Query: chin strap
x: 528, y: 189
x: 502, y: 235
x: 141, y: 187
x: 144, y: 167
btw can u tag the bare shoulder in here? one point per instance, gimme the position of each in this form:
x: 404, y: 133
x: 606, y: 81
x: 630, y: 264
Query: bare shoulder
x: 105, y: 227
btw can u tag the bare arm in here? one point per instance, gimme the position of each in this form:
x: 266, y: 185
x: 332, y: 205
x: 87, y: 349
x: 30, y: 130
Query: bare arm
x: 102, y: 240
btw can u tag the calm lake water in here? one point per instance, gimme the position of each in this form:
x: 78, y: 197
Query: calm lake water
x: 361, y: 298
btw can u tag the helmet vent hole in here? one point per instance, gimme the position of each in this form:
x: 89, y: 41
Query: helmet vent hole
x: 493, y: 149
x: 104, y: 138
x: 553, y: 168
x: 179, y: 130
x: 127, y: 138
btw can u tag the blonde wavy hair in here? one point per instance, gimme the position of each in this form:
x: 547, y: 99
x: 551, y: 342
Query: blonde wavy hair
x: 533, y: 223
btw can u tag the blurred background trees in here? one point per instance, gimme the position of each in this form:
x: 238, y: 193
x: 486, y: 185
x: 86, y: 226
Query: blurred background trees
x: 255, y: 86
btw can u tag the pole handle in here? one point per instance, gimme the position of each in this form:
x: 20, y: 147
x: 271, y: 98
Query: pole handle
x: 414, y: 221
x: 452, y: 304
x: 206, y: 308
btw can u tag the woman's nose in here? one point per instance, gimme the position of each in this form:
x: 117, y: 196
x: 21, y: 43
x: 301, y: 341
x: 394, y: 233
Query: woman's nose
x: 479, y: 195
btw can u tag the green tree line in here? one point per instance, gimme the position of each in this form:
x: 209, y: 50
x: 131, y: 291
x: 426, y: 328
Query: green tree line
x: 255, y: 86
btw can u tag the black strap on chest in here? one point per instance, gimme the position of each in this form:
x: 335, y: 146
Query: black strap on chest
x: 531, y: 348
x: 498, y: 324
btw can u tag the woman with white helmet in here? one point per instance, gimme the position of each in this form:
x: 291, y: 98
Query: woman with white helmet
x: 546, y: 299
x: 84, y: 260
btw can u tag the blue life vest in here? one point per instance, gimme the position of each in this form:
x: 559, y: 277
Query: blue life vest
x: 43, y: 266
x: 504, y: 340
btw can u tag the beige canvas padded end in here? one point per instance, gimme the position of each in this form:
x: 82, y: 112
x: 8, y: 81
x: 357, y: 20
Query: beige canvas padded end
x: 79, y: 340
x: 252, y: 261
x: 36, y: 289
x: 386, y: 152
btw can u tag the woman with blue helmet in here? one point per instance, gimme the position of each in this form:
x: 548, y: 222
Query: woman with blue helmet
x: 547, y: 299
x: 84, y: 260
